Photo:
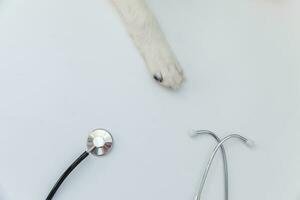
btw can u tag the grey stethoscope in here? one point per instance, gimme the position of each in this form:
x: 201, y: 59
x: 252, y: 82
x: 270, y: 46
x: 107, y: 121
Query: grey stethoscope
x: 100, y: 142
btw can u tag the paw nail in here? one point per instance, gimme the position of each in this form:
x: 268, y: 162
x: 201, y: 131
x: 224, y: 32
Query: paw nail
x: 158, y: 77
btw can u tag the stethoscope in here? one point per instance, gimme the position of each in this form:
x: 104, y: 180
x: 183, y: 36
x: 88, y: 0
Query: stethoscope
x: 100, y: 142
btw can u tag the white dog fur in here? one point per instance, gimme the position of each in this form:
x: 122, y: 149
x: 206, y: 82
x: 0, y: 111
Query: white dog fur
x: 151, y: 42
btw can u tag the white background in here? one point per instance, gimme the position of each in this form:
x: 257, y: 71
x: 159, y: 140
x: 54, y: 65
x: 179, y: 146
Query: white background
x: 68, y: 66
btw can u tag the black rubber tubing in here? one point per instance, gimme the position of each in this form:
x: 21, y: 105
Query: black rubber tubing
x: 66, y: 174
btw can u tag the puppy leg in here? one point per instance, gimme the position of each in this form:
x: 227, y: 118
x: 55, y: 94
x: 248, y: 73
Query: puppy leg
x: 151, y: 42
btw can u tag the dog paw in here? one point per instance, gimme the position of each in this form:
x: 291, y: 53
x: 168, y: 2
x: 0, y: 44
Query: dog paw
x: 170, y: 76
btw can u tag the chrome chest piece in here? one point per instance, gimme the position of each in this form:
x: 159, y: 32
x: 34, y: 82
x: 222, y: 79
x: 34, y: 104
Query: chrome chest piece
x: 99, y: 142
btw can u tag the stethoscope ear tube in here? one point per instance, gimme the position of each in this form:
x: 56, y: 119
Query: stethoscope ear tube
x: 99, y: 143
x: 217, y: 147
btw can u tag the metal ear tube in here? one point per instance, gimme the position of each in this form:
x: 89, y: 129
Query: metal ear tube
x: 225, y: 165
x: 217, y: 147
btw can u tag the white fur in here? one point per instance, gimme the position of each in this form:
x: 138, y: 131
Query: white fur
x: 149, y: 39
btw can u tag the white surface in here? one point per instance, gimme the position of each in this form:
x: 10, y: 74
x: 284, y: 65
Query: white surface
x: 68, y: 67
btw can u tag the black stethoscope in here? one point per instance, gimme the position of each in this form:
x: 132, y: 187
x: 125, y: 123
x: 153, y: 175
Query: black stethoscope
x: 99, y: 143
